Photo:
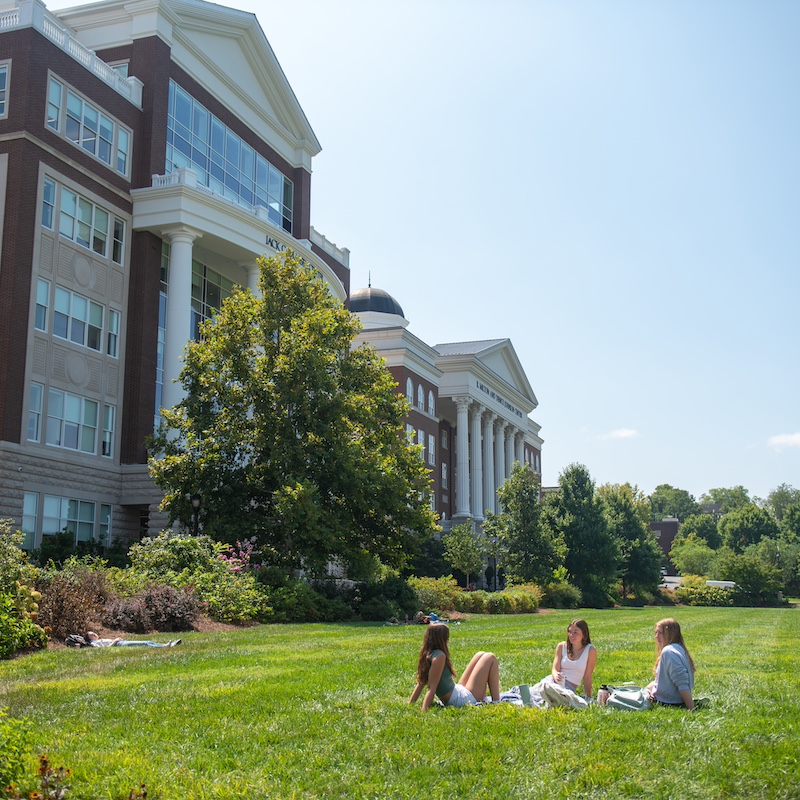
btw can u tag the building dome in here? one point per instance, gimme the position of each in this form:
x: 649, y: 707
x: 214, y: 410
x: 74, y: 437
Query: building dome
x: 375, y: 300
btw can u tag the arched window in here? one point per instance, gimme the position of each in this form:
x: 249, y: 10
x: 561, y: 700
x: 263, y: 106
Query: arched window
x: 431, y: 405
x: 420, y: 398
x: 409, y: 391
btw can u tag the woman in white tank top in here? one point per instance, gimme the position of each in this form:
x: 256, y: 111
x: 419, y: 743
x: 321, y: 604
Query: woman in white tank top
x: 575, y: 659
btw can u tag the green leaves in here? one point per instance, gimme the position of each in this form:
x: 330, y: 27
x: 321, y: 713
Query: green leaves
x: 290, y: 435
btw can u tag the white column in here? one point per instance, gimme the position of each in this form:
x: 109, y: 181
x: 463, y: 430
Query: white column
x: 499, y: 459
x: 519, y: 453
x: 462, y: 457
x: 488, y: 467
x: 476, y: 463
x: 510, y: 431
x: 179, y: 309
x: 253, y: 274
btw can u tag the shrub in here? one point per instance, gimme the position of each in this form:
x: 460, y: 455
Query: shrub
x: 435, y: 594
x: 171, y: 609
x: 14, y: 739
x: 17, y: 631
x: 174, y: 553
x: 392, y: 593
x: 72, y: 599
x: 378, y: 608
x: 526, y: 598
x: 561, y: 594
x: 472, y: 602
x: 499, y: 603
x: 127, y: 614
x: 14, y: 566
x: 230, y: 596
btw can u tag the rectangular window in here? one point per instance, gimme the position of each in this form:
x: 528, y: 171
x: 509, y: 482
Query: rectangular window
x: 113, y: 333
x: 71, y: 422
x: 69, y: 514
x: 444, y: 440
x: 431, y: 450
x: 81, y: 221
x: 107, y: 445
x: 48, y: 203
x: 35, y: 412
x: 78, y: 319
x: 444, y: 476
x: 87, y: 127
x: 421, y: 440
x: 42, y: 304
x: 4, y: 75
x: 209, y: 289
x: 54, y: 93
x: 223, y: 161
x: 118, y: 245
x: 30, y: 509
x: 104, y: 526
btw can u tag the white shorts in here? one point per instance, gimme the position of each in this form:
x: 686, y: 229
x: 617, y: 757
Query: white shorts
x: 461, y: 696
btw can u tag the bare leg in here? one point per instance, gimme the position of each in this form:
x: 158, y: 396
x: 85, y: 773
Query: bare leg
x: 482, y: 671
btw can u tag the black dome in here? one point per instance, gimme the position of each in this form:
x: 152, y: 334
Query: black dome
x: 374, y: 300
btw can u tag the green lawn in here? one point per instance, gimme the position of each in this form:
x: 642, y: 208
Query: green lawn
x: 319, y: 711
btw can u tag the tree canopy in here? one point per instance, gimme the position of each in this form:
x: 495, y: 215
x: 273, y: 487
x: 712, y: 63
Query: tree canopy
x: 746, y: 526
x: 703, y: 526
x: 463, y: 549
x: 668, y: 501
x: 727, y: 499
x: 530, y: 552
x: 290, y: 434
x: 576, y: 514
x: 626, y: 510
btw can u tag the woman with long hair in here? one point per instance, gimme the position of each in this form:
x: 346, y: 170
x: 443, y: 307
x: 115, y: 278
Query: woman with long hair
x: 674, y: 669
x: 435, y: 670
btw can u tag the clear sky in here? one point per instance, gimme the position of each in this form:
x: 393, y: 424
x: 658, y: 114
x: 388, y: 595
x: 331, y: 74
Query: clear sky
x: 612, y: 184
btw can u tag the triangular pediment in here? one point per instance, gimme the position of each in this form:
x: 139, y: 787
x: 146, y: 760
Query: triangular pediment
x: 228, y: 50
x: 223, y: 49
x: 494, y: 357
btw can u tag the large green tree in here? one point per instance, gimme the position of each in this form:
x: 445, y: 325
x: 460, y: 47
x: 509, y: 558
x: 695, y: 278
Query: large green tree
x: 291, y: 434
x: 727, y: 499
x: 703, y: 526
x: 530, y: 552
x: 746, y: 526
x: 668, y: 501
x: 464, y: 549
x: 576, y: 514
x: 691, y: 555
x: 625, y: 509
x: 780, y: 499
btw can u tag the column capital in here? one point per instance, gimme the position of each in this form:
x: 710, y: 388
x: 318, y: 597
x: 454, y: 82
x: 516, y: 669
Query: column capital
x: 181, y: 233
x: 462, y: 402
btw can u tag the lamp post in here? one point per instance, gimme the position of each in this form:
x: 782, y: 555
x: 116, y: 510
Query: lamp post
x: 196, y: 500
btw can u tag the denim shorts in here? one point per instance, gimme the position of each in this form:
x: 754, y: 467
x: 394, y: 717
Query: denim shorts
x: 461, y: 696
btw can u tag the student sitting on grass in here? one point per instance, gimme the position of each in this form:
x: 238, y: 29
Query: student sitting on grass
x: 435, y: 671
x: 573, y: 666
x: 674, y: 670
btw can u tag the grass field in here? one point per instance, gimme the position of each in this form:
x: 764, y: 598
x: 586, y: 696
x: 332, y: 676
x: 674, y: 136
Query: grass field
x: 320, y: 711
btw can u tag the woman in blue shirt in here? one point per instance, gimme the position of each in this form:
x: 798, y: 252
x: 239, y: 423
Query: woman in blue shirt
x: 435, y: 671
x: 674, y: 670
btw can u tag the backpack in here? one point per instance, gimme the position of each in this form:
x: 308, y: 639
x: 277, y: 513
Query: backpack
x: 74, y: 640
x: 629, y: 698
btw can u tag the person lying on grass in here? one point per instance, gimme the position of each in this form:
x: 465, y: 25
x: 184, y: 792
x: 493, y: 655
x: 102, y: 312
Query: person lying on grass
x: 435, y: 671
x: 96, y: 641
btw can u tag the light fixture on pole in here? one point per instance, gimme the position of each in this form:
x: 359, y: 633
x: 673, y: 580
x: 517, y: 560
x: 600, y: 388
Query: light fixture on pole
x: 196, y: 500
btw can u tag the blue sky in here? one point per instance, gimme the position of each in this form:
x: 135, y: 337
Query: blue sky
x: 613, y: 185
